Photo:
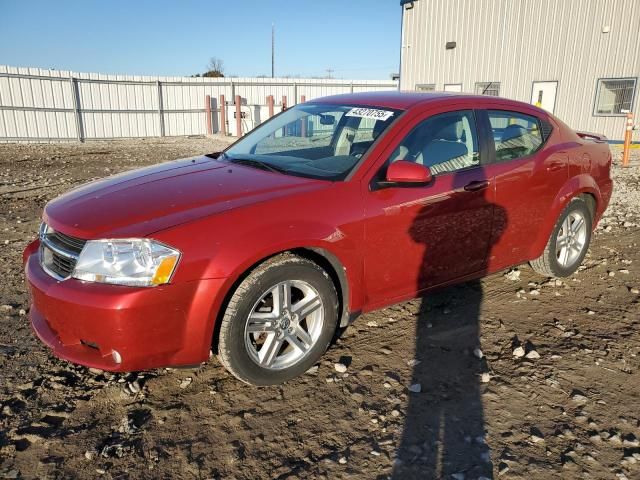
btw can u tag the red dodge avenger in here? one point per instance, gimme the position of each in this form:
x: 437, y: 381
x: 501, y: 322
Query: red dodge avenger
x: 333, y: 208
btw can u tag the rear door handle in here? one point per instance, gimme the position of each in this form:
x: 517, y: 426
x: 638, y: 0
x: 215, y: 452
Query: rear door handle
x: 476, y: 185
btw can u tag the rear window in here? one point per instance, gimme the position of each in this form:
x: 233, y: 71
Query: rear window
x: 515, y: 134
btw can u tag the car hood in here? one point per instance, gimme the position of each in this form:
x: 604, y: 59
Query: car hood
x: 141, y: 202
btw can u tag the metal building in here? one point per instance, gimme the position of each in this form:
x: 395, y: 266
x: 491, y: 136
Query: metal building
x: 577, y: 59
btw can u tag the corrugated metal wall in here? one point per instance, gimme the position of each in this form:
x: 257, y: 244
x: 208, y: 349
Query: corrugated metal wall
x: 517, y: 42
x: 53, y: 105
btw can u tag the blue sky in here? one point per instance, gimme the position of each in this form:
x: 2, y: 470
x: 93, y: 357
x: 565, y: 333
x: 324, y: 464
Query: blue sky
x: 358, y: 39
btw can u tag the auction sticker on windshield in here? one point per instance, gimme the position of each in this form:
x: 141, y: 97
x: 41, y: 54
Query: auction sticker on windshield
x: 372, y: 113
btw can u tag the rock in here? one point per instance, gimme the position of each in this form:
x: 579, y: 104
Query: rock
x: 375, y: 453
x: 478, y: 353
x: 414, y: 362
x: 513, y: 275
x: 134, y: 387
x: 532, y: 355
x: 630, y: 440
x: 342, y: 460
x: 395, y: 413
x: 634, y: 290
x: 313, y: 370
x: 385, y: 350
x: 536, y: 439
x: 485, y: 377
x: 415, y: 388
x: 518, y: 352
x: 88, y: 455
x: 186, y: 382
x: 372, y: 323
x: 624, y: 271
x: 22, y: 312
x: 579, y: 399
x: 612, y: 273
x: 340, y: 367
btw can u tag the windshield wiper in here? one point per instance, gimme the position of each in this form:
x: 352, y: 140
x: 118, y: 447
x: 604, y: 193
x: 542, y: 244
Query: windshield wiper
x: 252, y: 162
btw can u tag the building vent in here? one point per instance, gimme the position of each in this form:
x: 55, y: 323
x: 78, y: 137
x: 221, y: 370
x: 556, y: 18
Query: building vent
x: 488, y: 88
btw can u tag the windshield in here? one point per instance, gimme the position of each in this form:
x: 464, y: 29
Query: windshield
x: 313, y: 140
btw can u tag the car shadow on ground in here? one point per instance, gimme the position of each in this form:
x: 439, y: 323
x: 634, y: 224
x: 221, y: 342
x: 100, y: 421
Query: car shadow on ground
x: 444, y: 431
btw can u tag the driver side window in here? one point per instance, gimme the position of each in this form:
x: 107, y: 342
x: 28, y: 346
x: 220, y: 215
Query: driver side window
x: 447, y: 142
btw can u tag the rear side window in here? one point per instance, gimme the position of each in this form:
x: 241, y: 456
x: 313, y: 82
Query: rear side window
x: 515, y: 134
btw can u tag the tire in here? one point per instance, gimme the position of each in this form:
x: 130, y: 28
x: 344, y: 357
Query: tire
x: 553, y: 262
x: 293, y: 334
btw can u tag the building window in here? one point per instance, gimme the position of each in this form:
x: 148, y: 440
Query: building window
x: 488, y: 88
x: 614, y: 95
x: 426, y: 87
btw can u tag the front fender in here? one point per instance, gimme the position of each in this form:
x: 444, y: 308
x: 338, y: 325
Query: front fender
x: 575, y: 186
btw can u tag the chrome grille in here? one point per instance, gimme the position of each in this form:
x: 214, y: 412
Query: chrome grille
x: 59, y: 252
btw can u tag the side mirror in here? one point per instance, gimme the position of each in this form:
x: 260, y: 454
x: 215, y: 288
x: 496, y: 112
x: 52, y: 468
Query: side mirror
x: 403, y: 171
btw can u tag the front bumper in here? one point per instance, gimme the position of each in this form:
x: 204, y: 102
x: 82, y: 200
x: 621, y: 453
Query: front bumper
x: 120, y: 328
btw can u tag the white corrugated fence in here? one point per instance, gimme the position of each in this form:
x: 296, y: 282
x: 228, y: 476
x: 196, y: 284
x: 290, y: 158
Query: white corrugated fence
x: 59, y: 105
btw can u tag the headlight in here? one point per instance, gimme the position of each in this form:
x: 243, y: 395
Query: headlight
x: 133, y: 262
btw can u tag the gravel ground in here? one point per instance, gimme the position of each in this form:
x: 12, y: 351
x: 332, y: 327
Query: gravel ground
x: 514, y: 376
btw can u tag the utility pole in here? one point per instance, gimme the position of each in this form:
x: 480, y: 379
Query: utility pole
x: 329, y: 72
x: 273, y: 50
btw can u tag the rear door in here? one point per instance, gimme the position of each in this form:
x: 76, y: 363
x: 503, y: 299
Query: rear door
x: 528, y: 177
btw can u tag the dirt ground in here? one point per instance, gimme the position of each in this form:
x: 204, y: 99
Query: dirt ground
x: 518, y: 376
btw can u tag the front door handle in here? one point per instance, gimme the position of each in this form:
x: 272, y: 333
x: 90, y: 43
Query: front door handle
x: 476, y: 185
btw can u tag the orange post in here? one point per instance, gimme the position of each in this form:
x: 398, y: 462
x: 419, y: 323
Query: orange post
x: 207, y: 108
x: 223, y: 115
x: 303, y: 124
x: 627, y: 139
x: 270, y: 104
x: 238, y: 116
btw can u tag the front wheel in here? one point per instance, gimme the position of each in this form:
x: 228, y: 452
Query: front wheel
x: 568, y: 243
x: 279, y: 321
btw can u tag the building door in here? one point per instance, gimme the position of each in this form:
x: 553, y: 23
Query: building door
x: 453, y: 87
x: 543, y: 95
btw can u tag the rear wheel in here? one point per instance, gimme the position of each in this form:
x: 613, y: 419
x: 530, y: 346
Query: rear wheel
x: 279, y: 321
x: 568, y: 243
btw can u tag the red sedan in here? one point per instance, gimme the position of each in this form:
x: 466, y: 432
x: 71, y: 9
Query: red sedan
x: 333, y: 208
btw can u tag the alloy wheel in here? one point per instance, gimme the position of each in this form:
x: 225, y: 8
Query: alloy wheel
x: 284, y: 325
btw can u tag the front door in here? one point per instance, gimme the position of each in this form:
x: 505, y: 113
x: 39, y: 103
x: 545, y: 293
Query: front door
x: 421, y: 236
x: 543, y: 95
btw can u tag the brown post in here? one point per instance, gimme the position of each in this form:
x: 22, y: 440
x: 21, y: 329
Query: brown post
x: 284, y: 107
x: 627, y: 139
x: 238, y: 116
x: 270, y: 104
x: 207, y: 108
x: 303, y: 125
x: 223, y: 116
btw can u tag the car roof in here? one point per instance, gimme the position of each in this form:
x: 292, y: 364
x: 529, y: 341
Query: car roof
x: 404, y: 100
